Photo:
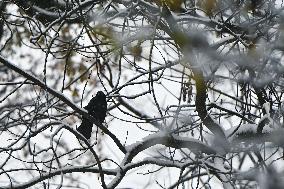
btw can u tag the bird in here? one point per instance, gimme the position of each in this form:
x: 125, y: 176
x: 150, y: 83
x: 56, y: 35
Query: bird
x: 97, y: 107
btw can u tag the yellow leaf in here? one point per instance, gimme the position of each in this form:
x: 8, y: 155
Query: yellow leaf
x: 174, y: 5
x: 208, y: 6
x: 75, y: 93
x: 136, y: 50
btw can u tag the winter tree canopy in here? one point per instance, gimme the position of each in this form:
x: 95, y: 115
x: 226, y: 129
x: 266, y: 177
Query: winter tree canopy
x: 194, y: 92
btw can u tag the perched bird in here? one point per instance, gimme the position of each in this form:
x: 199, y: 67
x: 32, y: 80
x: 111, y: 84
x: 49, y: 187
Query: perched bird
x: 97, y: 107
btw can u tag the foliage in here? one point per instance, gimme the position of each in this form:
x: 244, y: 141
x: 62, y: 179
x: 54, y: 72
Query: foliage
x: 194, y: 90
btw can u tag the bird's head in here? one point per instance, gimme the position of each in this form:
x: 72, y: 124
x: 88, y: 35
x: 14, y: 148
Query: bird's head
x: 100, y: 95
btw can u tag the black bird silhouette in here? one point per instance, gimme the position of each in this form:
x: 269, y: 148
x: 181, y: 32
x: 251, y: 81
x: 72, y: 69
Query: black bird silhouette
x: 97, y: 107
